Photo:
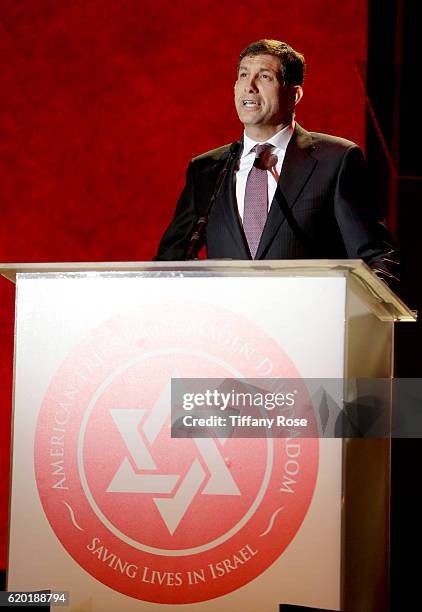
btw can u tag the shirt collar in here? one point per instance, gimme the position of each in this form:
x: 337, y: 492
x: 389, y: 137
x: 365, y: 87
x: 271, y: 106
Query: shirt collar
x: 279, y: 140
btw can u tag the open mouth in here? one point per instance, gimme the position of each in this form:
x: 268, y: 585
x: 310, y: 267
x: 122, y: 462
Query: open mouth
x: 250, y: 104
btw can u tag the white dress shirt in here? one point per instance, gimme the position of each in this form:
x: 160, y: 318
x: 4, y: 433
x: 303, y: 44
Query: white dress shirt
x: 279, y: 142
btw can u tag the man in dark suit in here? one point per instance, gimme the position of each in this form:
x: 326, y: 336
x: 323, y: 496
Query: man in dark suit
x: 286, y: 193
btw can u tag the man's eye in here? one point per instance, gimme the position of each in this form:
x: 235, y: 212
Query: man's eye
x: 266, y: 76
x: 242, y: 75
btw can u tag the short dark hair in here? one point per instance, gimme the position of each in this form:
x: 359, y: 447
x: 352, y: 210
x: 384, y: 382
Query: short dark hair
x: 292, y: 63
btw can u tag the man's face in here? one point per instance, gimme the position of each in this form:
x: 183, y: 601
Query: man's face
x: 261, y: 101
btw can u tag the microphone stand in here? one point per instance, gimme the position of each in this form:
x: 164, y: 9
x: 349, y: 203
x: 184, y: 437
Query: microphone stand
x: 198, y: 233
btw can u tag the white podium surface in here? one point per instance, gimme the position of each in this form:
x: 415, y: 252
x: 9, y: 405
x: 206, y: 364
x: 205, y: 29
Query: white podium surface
x: 105, y: 505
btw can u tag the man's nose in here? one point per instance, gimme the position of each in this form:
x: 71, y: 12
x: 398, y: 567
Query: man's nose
x: 251, y: 84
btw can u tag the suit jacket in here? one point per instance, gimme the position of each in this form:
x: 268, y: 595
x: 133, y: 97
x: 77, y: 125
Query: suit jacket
x: 320, y: 208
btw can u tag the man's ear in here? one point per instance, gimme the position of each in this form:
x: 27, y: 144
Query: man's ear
x: 296, y: 95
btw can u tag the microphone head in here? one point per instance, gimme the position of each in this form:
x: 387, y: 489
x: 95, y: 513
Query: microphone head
x: 267, y: 161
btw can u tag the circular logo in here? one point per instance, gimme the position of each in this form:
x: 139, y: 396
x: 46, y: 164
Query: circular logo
x: 157, y: 518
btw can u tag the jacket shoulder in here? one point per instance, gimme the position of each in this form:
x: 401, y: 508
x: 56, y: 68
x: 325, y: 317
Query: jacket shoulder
x: 326, y: 141
x: 214, y: 154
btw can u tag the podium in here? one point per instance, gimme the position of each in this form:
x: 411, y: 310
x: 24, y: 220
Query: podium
x: 107, y: 506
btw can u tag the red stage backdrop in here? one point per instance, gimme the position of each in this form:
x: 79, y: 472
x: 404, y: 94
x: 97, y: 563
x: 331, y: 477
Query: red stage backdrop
x: 104, y: 102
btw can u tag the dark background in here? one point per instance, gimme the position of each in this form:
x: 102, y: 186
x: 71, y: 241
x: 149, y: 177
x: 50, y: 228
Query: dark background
x: 394, y: 54
x: 103, y: 103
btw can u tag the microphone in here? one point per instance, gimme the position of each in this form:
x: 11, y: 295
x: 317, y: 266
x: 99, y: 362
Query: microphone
x: 198, y: 233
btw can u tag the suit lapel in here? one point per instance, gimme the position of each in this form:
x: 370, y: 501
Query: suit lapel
x: 298, y: 166
x: 226, y: 203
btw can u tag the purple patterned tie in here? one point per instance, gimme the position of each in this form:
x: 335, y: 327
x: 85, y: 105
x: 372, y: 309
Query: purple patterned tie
x: 256, y: 199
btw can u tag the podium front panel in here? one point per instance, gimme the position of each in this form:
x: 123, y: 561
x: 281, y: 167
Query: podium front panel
x: 107, y: 506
